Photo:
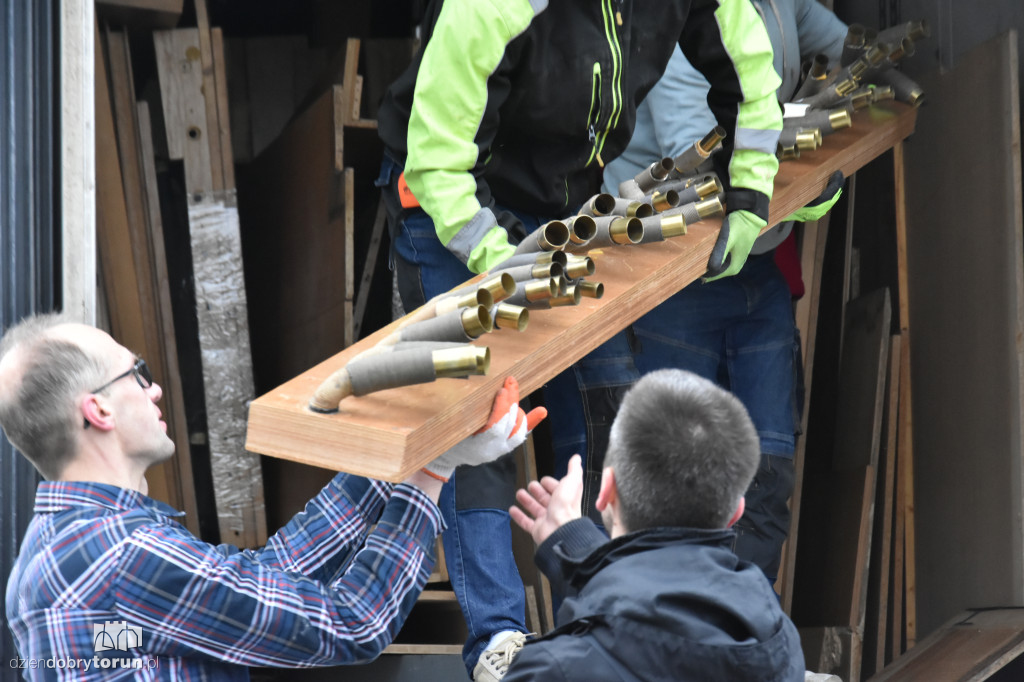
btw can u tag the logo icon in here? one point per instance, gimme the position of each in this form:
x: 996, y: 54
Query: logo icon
x: 116, y: 635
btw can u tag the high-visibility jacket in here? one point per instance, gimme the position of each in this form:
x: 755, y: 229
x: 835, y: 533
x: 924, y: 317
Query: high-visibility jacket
x: 519, y: 103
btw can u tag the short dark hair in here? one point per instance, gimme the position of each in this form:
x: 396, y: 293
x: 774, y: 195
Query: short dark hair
x: 683, y: 450
x: 39, y: 414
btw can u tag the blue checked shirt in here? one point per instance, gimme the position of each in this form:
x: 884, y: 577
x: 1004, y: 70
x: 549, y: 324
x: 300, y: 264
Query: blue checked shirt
x: 109, y: 586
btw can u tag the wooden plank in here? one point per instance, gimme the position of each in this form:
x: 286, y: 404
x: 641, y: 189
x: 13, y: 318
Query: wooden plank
x: 837, y: 537
x: 223, y: 113
x: 369, y: 265
x: 832, y: 568
x: 423, y: 649
x: 875, y: 623
x: 828, y: 576
x: 894, y: 646
x: 77, y: 46
x: 906, y: 428
x: 967, y: 318
x: 348, y: 229
x: 862, y: 382
x: 349, y: 80
x: 177, y: 422
x: 538, y: 589
x: 122, y: 94
x: 971, y: 647
x: 209, y: 91
x: 812, y: 259
x: 221, y: 312
x: 181, y: 84
x: 390, y: 433
x: 221, y: 304
x: 124, y: 263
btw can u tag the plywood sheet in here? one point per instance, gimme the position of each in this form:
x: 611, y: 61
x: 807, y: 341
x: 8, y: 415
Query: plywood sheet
x: 391, y: 433
x: 964, y: 253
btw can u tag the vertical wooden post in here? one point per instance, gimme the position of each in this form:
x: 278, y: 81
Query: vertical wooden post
x: 906, y: 431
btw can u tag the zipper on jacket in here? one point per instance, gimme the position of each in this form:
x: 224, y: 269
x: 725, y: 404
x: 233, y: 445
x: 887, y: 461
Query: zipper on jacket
x: 594, y: 115
x: 612, y: 17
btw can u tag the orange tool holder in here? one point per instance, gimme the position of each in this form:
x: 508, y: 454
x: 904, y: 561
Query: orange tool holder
x: 405, y: 194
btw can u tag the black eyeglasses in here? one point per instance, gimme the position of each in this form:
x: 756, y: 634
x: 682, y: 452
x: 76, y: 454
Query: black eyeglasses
x: 141, y: 371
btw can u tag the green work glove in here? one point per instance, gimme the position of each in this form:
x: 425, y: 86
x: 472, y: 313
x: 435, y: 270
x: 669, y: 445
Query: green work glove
x: 739, y: 230
x: 820, y: 206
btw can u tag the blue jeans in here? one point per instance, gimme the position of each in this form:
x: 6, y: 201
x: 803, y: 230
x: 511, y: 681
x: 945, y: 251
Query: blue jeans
x: 739, y: 332
x: 477, y: 544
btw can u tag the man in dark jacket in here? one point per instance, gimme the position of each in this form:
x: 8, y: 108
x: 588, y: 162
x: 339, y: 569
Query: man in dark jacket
x: 665, y: 598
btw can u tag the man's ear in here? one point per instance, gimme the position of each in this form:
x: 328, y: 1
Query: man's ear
x: 608, y: 492
x: 740, y: 508
x: 96, y: 413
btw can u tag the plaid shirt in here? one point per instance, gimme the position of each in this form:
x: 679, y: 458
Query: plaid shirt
x: 109, y: 586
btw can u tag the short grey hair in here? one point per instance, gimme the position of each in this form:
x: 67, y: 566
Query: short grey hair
x: 683, y: 450
x: 38, y: 411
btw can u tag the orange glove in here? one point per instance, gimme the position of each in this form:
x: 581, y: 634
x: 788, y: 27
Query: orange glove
x: 504, y: 431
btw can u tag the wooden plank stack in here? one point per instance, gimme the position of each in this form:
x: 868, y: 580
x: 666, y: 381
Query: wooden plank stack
x: 131, y: 253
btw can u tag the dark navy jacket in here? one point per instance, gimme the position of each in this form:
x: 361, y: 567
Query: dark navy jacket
x: 662, y: 604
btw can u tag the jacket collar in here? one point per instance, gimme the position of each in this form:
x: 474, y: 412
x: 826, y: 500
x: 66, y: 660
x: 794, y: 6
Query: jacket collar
x: 55, y: 496
x: 585, y: 567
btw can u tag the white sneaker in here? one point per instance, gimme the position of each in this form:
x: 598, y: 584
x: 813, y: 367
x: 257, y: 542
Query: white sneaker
x: 820, y: 677
x: 494, y: 663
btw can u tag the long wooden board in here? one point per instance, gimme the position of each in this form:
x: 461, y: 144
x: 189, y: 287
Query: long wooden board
x: 973, y: 646
x: 391, y: 433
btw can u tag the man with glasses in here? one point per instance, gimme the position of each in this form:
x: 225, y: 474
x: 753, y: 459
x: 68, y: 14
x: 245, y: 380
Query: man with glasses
x: 331, y: 587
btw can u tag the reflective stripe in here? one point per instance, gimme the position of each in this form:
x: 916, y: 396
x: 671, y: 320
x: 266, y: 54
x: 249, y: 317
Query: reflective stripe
x: 466, y: 239
x: 759, y: 140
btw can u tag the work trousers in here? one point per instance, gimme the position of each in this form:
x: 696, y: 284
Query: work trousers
x: 740, y: 333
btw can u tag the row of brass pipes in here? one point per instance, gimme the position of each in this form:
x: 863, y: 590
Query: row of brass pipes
x: 549, y: 269
x: 550, y: 266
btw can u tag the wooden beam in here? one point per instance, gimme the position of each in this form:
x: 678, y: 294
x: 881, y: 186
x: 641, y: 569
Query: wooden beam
x: 181, y: 88
x: 209, y: 90
x: 223, y: 113
x: 389, y: 434
x: 876, y: 620
x: 369, y: 265
x: 78, y: 51
x: 906, y: 428
x: 971, y: 647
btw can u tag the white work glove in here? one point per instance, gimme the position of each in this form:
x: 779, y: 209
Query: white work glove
x: 504, y: 431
